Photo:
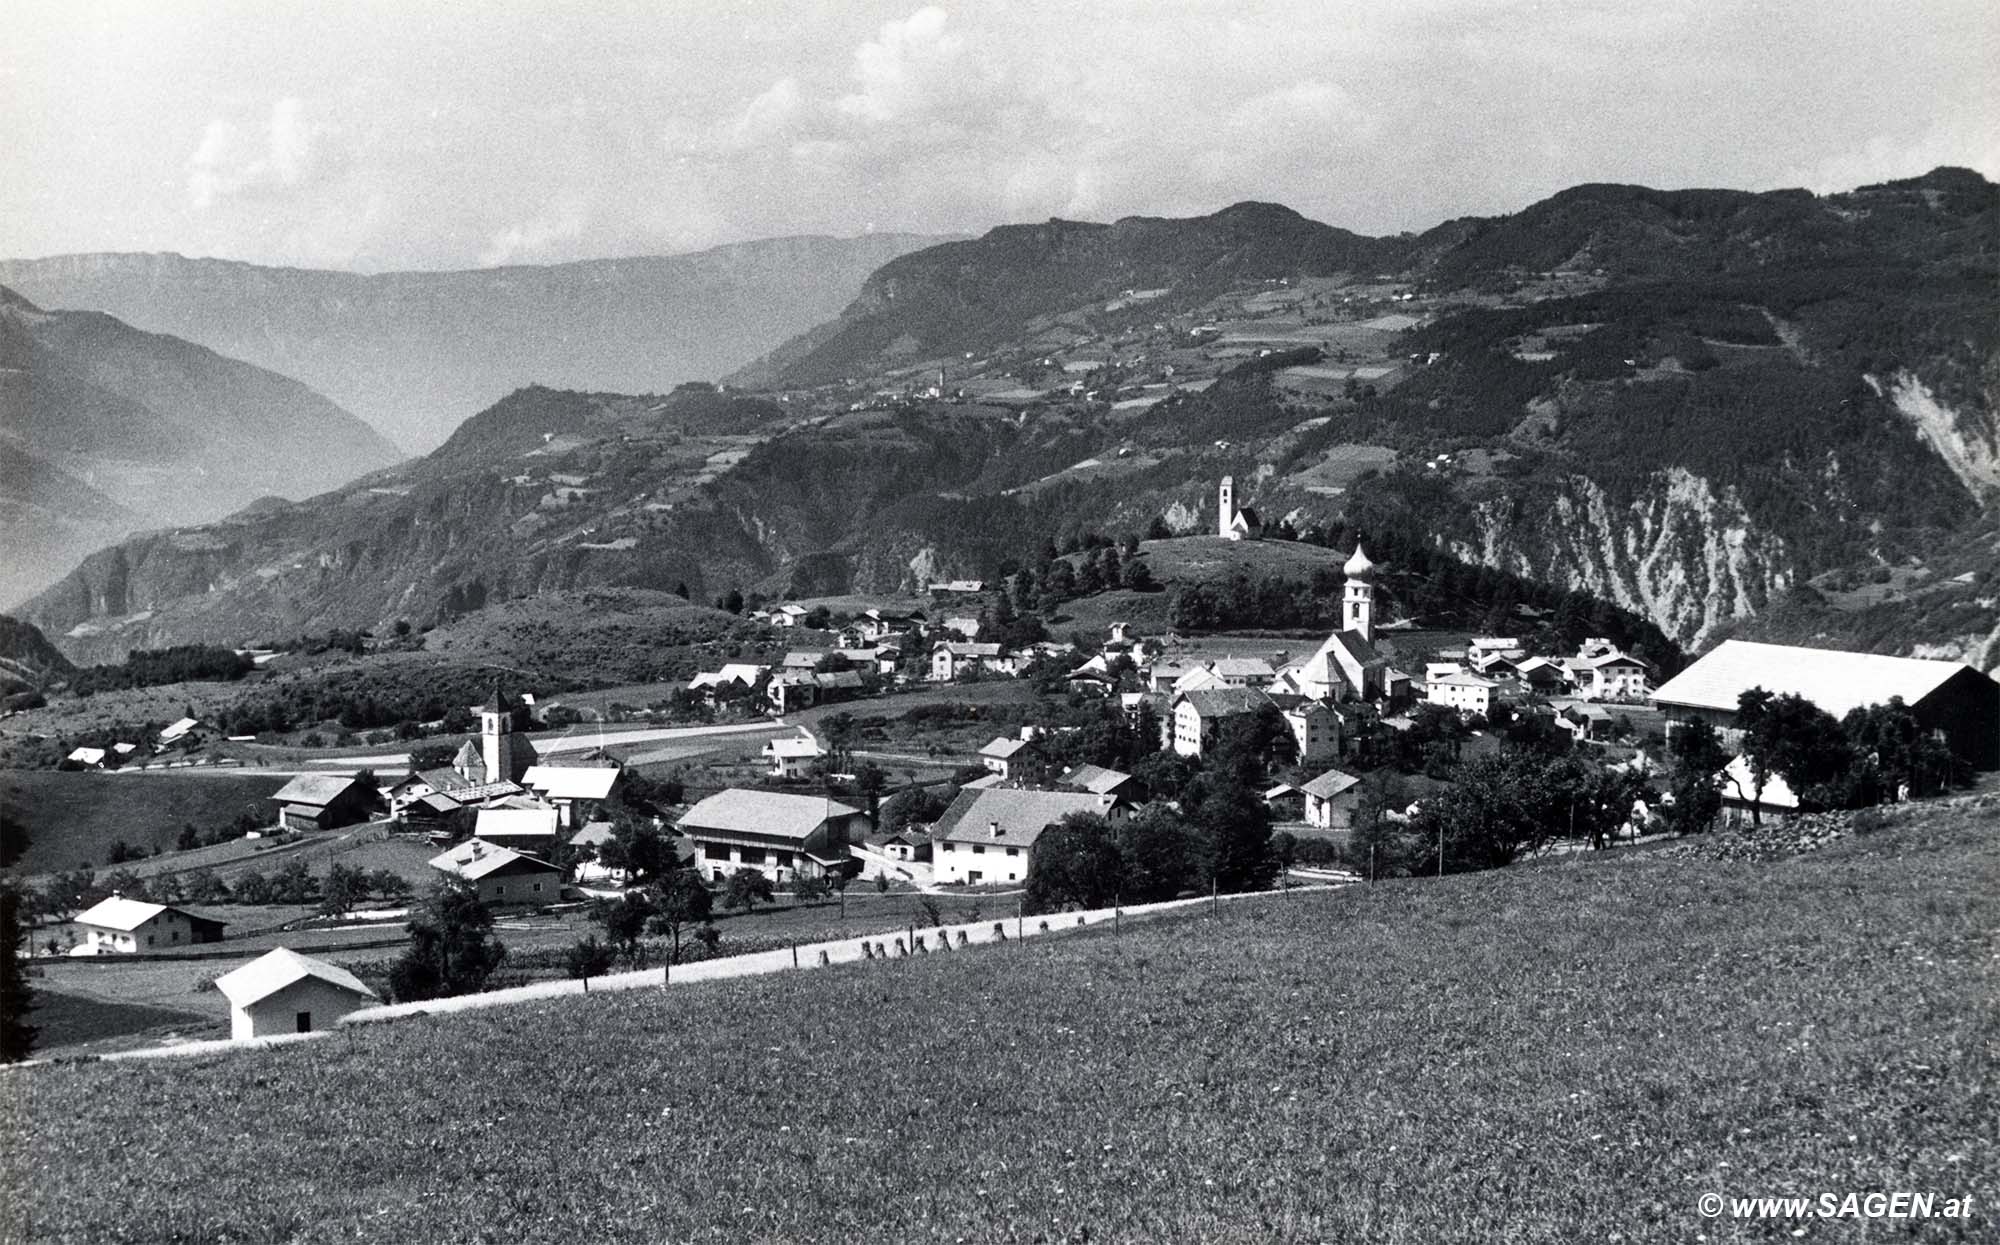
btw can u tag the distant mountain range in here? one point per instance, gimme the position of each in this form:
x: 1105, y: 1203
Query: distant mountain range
x: 1710, y: 407
x: 415, y: 353
x: 105, y: 429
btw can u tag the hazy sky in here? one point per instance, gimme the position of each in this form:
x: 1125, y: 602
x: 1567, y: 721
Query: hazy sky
x: 426, y: 133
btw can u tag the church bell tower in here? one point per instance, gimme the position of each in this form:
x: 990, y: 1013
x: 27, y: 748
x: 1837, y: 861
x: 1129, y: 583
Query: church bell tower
x: 1358, y: 604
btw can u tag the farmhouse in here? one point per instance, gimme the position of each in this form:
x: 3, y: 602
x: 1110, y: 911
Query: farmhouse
x: 1330, y: 800
x: 785, y: 836
x: 120, y: 925
x: 1099, y: 781
x: 1610, y: 676
x: 989, y: 836
x: 1947, y: 697
x: 501, y: 875
x: 285, y: 992
x: 184, y: 733
x: 323, y: 802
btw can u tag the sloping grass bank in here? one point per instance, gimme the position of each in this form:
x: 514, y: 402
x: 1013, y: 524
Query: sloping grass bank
x: 1557, y: 1054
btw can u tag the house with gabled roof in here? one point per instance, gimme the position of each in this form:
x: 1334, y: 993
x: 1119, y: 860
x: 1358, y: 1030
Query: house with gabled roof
x: 784, y: 835
x: 129, y: 926
x: 500, y: 875
x: 990, y: 835
x: 1464, y: 691
x: 1013, y: 758
x: 951, y: 659
x: 323, y: 802
x: 1198, y: 715
x: 284, y: 992
x: 575, y: 791
x: 1100, y: 781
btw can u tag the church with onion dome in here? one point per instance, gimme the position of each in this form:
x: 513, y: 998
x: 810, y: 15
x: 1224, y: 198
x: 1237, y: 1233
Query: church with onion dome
x: 1348, y: 666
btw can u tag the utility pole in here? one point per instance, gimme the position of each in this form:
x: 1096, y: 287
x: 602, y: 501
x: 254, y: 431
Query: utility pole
x: 1440, y: 847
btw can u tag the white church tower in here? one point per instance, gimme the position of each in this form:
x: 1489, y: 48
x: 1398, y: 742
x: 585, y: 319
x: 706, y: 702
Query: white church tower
x: 1358, y: 606
x: 1225, y: 510
x: 496, y: 725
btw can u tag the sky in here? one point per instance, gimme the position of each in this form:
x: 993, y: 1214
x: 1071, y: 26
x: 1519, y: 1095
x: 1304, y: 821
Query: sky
x: 467, y: 133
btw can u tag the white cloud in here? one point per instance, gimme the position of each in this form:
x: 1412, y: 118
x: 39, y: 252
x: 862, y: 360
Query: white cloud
x: 534, y: 239
x: 293, y: 152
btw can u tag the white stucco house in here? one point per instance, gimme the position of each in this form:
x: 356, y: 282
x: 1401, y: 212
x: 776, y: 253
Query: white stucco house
x: 285, y: 992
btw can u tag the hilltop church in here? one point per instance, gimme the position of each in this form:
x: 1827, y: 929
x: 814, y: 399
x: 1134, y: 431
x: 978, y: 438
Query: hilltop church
x: 1232, y: 523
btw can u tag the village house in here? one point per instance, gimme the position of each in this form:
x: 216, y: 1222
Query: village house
x: 789, y: 616
x: 792, y: 690
x: 794, y: 757
x: 430, y: 794
x: 1464, y: 691
x: 734, y: 678
x: 501, y: 876
x: 575, y: 791
x: 783, y: 835
x: 525, y: 829
x: 1199, y: 679
x: 1316, y: 730
x: 1015, y: 760
x: 989, y: 836
x: 964, y: 628
x: 88, y: 758
x: 185, y: 733
x: 128, y: 926
x: 324, y: 802
x: 904, y: 846
x: 285, y: 992
x: 1196, y: 716
x: 1330, y: 800
x: 1610, y: 676
x: 1119, y: 788
x: 1953, y: 700
x: 952, y: 659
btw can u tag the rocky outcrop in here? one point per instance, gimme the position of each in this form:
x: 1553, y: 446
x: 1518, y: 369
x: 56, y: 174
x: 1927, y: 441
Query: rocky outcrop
x: 1683, y: 554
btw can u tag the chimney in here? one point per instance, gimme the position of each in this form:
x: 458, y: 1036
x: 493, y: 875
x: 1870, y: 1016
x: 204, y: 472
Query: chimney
x: 994, y: 828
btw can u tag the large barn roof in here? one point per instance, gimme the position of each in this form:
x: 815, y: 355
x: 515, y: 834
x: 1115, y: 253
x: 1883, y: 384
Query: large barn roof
x: 762, y: 812
x: 1835, y: 680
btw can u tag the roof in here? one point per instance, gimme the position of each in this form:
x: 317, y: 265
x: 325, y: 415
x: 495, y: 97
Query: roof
x: 1221, y: 702
x: 571, y: 782
x: 774, y: 813
x: 494, y: 824
x: 1616, y: 658
x: 475, y: 859
x: 121, y: 913
x: 1463, y: 678
x: 88, y: 756
x: 1738, y: 782
x: 1834, y: 680
x: 178, y: 729
x: 965, y: 648
x: 1004, y: 748
x: 1095, y: 779
x: 1244, y: 668
x: 1021, y: 815
x: 1360, y: 650
x: 315, y: 789
x: 593, y: 834
x: 797, y: 746
x: 1359, y: 565
x: 1330, y: 784
x: 275, y: 970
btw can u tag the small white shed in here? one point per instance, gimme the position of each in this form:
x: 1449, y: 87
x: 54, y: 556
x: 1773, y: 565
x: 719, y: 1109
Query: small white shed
x: 285, y: 992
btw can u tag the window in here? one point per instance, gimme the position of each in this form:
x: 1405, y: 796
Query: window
x: 305, y: 1022
x: 1013, y: 851
x: 149, y: 940
x: 784, y: 859
x: 979, y: 849
x: 499, y: 889
x: 536, y: 888
x: 752, y: 855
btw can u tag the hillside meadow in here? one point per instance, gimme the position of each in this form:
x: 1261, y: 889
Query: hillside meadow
x: 1569, y: 1052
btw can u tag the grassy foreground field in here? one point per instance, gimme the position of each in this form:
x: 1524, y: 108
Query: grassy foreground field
x: 1566, y: 1053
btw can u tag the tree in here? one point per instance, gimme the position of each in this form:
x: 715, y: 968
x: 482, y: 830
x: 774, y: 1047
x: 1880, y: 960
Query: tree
x: 1797, y: 740
x: 682, y: 901
x: 203, y: 887
x: 344, y: 887
x: 745, y: 887
x: 1899, y: 754
x: 189, y: 838
x: 1158, y: 529
x: 641, y: 849
x: 811, y: 889
x: 17, y: 1036
x: 588, y: 958
x: 1237, y: 826
x: 389, y: 884
x: 625, y: 920
x: 1075, y: 864
x: 452, y: 950
x: 252, y: 887
x: 1159, y: 855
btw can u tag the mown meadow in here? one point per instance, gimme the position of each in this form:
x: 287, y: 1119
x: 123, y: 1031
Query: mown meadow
x: 1570, y: 1052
